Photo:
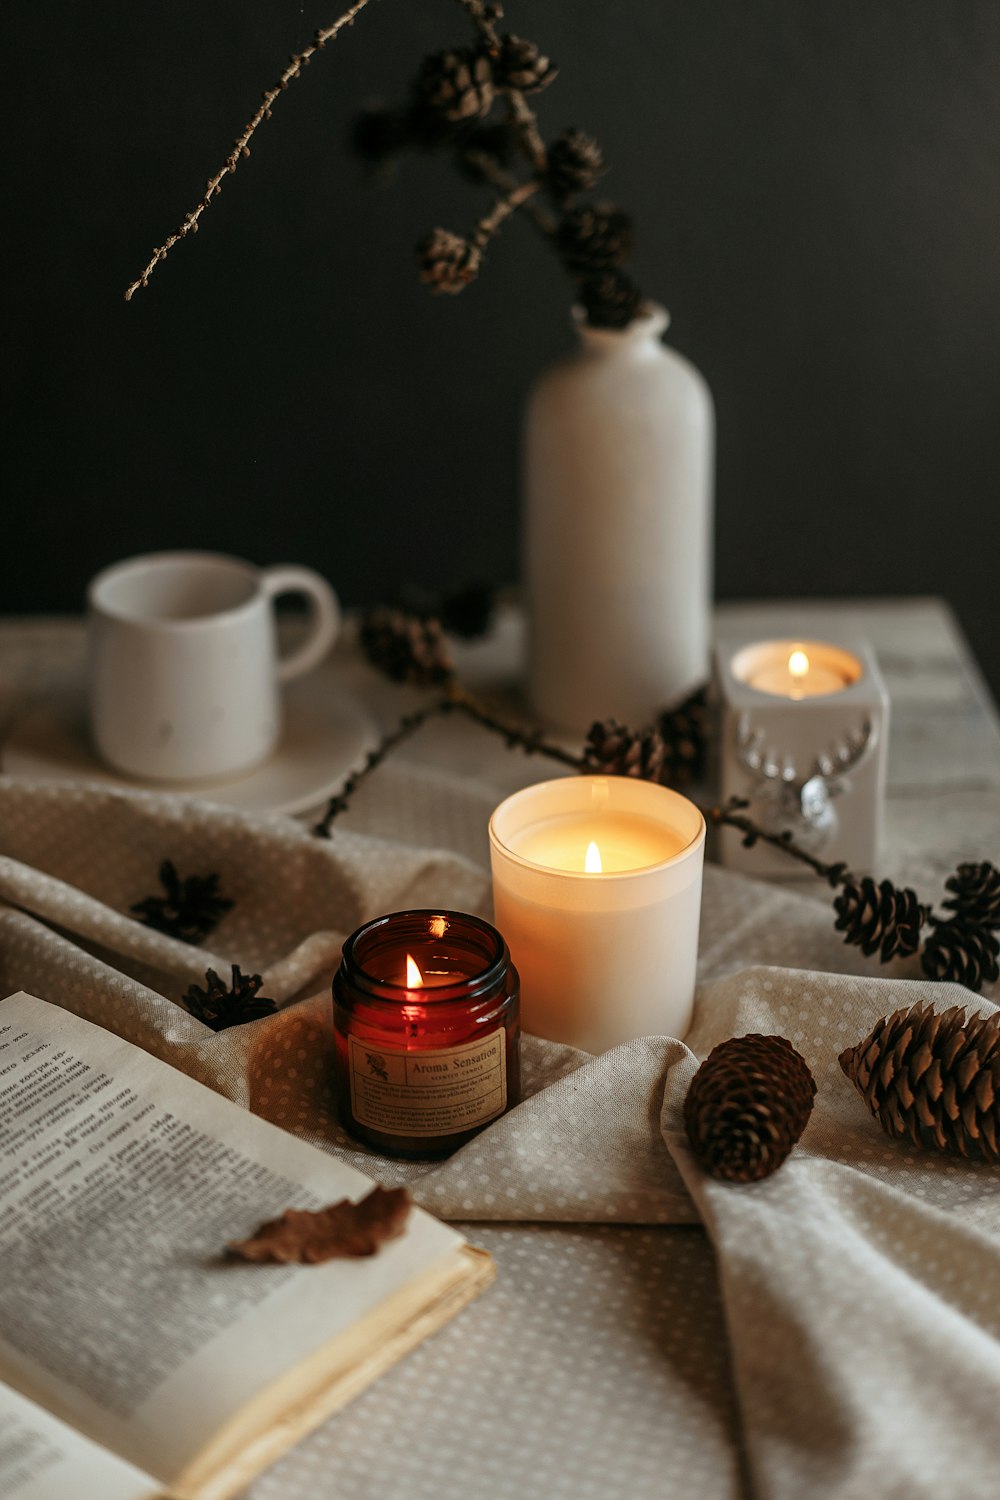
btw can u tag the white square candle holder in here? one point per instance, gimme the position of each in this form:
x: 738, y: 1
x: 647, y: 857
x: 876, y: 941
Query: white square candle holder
x: 804, y: 727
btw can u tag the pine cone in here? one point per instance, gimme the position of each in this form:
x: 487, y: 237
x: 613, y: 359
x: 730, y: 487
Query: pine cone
x: 933, y: 1079
x: 521, y: 66
x: 613, y: 750
x: 748, y: 1104
x: 591, y: 240
x: 976, y: 896
x: 685, y: 732
x: 610, y: 300
x: 575, y: 162
x: 220, y: 1008
x: 447, y: 261
x: 406, y: 648
x: 961, y: 952
x: 879, y: 918
x: 456, y: 85
x: 190, y: 909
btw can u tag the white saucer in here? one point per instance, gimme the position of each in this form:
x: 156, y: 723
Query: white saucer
x: 325, y: 735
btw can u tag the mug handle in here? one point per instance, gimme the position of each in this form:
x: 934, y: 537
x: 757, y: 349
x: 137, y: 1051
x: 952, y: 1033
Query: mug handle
x: 325, y: 611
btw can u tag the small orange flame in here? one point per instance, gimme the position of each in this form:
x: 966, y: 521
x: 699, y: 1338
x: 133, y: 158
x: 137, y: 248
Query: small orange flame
x: 437, y: 926
x: 592, y: 863
x: 414, y: 978
x: 798, y: 664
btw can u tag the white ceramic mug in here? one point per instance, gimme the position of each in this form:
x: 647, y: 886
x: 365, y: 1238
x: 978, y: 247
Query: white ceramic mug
x: 184, y: 668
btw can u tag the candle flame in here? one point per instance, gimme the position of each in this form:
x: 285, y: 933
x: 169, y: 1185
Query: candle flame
x: 592, y: 863
x: 414, y: 978
x: 798, y: 664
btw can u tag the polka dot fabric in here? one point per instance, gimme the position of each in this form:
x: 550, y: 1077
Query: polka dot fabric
x: 853, y: 1295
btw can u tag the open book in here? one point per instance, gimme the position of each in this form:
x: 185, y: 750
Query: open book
x: 136, y: 1361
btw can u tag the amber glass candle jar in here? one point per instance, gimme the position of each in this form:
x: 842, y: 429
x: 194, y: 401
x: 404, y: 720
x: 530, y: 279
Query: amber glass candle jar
x: 426, y: 1031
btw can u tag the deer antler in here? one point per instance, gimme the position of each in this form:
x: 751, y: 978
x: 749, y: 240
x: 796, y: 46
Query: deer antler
x: 830, y: 765
x: 848, y: 754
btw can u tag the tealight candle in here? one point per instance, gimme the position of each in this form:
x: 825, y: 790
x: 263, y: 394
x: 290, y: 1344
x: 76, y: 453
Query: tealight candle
x: 426, y: 1034
x: 597, y: 890
x: 796, y: 669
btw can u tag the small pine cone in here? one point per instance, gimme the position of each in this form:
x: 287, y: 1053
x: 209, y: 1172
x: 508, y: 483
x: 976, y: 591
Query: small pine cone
x: 748, y: 1104
x: 933, y: 1079
x: 610, y: 300
x: 962, y: 952
x: 613, y: 750
x: 405, y: 647
x: 685, y: 734
x: 575, y: 162
x: 591, y: 240
x: 456, y: 85
x: 976, y: 896
x: 521, y: 66
x: 879, y: 918
x: 447, y: 261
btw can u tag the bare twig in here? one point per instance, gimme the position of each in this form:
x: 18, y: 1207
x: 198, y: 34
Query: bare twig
x: 501, y: 210
x: 492, y: 172
x: 531, y: 741
x: 406, y: 726
x: 733, y: 816
x: 241, y: 146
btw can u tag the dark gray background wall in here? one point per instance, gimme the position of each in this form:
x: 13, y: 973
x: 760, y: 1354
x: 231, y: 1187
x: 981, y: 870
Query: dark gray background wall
x: 817, y: 189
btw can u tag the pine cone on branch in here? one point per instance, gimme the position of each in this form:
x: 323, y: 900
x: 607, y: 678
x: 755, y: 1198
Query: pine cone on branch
x: 522, y: 66
x: 684, y: 731
x: 612, y: 749
x: 406, y: 647
x: 880, y: 918
x: 447, y: 261
x: 961, y: 952
x: 592, y: 239
x: 575, y: 161
x: 456, y: 85
x: 975, y: 894
x: 747, y: 1105
x: 610, y: 300
x: 933, y: 1078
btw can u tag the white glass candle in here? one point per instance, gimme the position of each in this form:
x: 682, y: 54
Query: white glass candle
x: 597, y: 891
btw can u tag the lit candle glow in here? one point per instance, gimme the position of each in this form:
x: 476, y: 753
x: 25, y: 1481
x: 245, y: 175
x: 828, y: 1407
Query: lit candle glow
x: 786, y: 670
x: 414, y: 978
x: 597, y: 888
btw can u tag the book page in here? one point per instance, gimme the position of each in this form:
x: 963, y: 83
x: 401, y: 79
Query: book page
x: 43, y: 1459
x: 121, y: 1180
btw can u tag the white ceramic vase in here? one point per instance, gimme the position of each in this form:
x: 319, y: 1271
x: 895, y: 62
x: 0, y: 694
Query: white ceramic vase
x: 619, y: 448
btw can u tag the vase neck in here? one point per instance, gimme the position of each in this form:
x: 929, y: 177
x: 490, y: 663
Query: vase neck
x: 642, y: 334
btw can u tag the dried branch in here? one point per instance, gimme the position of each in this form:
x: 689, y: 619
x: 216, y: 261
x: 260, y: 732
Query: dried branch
x: 516, y: 736
x: 521, y: 114
x: 733, y: 816
x: 408, y: 725
x: 487, y: 227
x: 241, y: 146
x: 492, y: 172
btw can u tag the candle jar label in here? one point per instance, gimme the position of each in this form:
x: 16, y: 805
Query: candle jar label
x: 428, y: 1093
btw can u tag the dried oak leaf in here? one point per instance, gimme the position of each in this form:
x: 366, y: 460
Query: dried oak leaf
x: 304, y: 1237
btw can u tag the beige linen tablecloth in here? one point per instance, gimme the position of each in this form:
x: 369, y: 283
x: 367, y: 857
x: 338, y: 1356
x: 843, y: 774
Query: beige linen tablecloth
x: 842, y: 1341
